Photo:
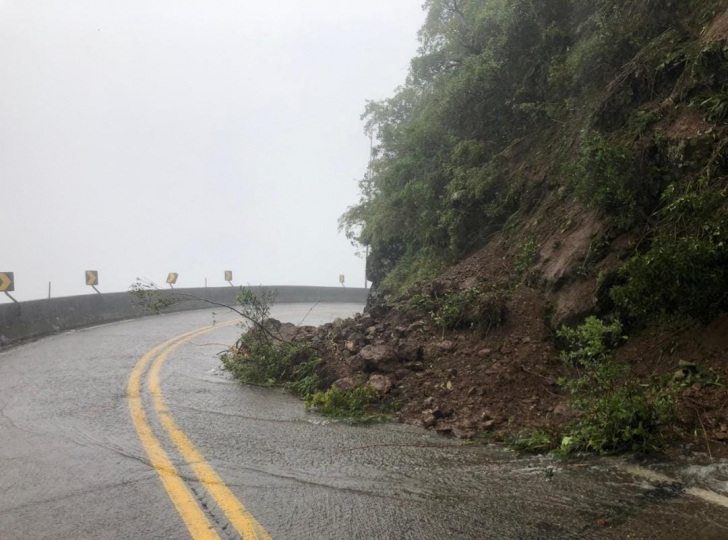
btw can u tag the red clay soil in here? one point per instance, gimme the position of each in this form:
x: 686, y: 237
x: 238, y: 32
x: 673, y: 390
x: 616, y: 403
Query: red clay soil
x: 460, y: 382
x: 463, y: 381
x: 466, y: 382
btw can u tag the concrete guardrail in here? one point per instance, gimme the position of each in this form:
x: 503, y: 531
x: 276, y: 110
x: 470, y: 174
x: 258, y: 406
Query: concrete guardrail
x: 30, y: 320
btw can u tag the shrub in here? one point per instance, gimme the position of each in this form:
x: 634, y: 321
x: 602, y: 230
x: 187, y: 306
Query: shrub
x: 684, y: 272
x: 603, y: 176
x: 616, y: 413
x: 526, y: 257
x: 715, y: 108
x: 591, y: 342
x: 470, y: 308
x: 256, y: 361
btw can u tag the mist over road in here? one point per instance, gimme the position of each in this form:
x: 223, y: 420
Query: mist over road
x: 78, y: 457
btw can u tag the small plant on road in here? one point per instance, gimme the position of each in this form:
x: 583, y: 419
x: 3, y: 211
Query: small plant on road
x: 355, y: 405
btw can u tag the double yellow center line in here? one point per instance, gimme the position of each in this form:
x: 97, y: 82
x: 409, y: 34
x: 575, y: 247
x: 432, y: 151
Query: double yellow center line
x: 184, y: 501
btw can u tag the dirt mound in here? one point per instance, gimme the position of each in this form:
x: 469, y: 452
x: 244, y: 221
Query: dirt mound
x: 463, y: 380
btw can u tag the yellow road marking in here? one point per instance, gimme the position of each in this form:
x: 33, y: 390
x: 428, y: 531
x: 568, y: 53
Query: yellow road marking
x: 186, y: 505
x: 653, y: 476
x: 188, y: 509
x: 237, y: 514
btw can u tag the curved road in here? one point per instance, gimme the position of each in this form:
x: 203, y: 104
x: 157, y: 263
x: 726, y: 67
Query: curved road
x: 131, y: 431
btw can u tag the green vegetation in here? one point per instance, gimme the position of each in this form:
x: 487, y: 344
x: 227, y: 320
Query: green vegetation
x: 508, y: 100
x: 360, y: 404
x: 526, y: 257
x: 536, y: 442
x: 257, y: 361
x: 589, y: 343
x: 616, y: 413
x: 474, y: 307
x: 603, y: 178
x: 262, y: 357
x: 685, y: 269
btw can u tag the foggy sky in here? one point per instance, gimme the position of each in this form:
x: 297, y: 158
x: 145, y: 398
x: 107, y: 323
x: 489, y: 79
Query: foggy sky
x: 140, y: 137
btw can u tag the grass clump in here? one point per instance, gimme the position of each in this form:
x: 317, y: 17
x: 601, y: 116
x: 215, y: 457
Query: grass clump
x: 356, y: 405
x: 306, y: 380
x: 536, y: 442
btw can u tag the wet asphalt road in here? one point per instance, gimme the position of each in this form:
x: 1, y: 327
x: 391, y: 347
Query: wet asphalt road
x: 73, y: 467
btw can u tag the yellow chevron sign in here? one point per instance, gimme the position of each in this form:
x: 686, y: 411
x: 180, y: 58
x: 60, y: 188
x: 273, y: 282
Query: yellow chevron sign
x: 342, y: 278
x: 228, y: 275
x: 7, y: 282
x: 172, y: 278
x: 92, y: 277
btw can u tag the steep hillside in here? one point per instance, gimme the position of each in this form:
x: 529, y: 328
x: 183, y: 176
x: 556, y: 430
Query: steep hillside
x: 546, y: 218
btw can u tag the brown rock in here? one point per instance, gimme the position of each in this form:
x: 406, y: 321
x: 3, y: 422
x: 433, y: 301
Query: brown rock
x: 379, y: 311
x: 378, y: 357
x: 345, y: 383
x: 419, y: 325
x: 461, y: 433
x: 428, y: 419
x: 485, y: 353
x: 381, y: 383
x: 489, y: 424
x: 410, y: 351
x: 446, y: 345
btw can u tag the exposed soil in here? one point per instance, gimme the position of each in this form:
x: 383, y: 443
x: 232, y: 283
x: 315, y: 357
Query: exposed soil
x: 461, y: 382
x: 504, y: 380
x: 718, y: 30
x: 695, y: 357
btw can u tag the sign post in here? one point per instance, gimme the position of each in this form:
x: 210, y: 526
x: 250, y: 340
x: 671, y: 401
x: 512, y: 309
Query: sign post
x: 7, y: 284
x: 342, y: 280
x: 172, y: 279
x: 229, y: 277
x: 92, y: 279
